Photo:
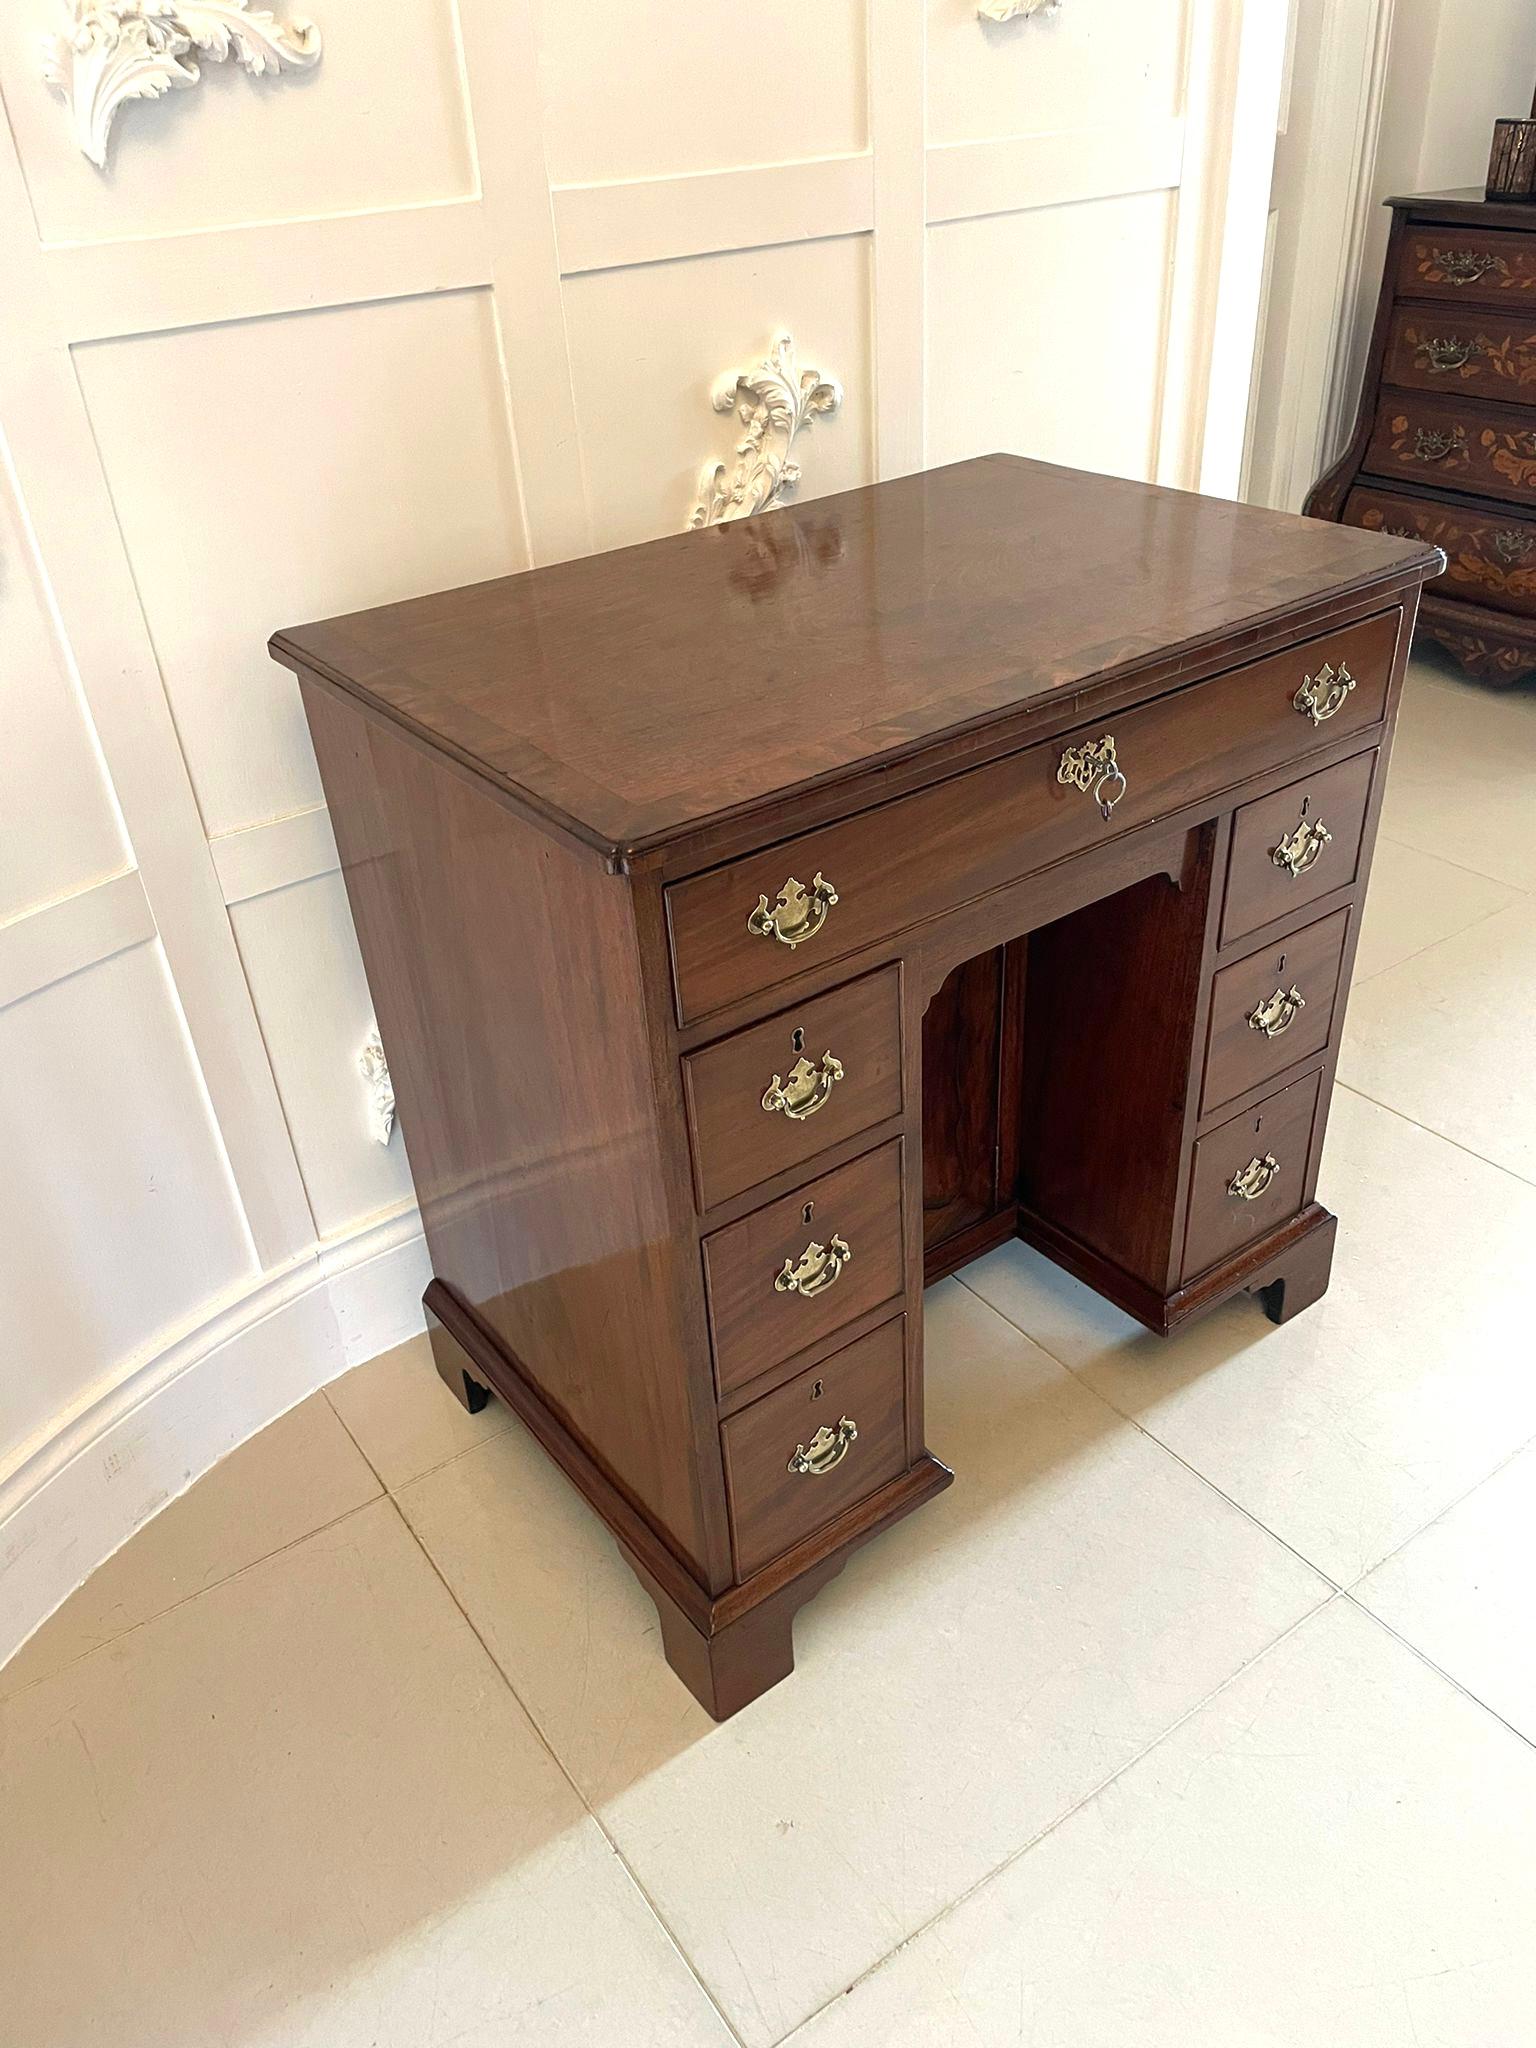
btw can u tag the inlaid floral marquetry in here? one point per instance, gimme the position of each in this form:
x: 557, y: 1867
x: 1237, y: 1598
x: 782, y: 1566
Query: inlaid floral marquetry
x: 1487, y: 558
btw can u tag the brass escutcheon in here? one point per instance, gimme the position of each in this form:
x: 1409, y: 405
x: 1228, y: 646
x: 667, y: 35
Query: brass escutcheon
x: 1092, y: 767
x: 1464, y: 266
x: 807, y: 1089
x: 798, y: 915
x: 1449, y: 352
x: 1433, y: 444
x: 828, y: 1447
x: 1299, y: 850
x: 815, y: 1270
x: 1511, y: 545
x: 1277, y: 1013
x: 1321, y: 695
x: 1254, y: 1178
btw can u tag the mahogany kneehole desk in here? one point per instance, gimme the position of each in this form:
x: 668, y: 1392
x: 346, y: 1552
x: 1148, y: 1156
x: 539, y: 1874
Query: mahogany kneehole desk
x: 767, y: 920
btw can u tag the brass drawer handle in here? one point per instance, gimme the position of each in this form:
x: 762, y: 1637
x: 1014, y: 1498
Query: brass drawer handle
x: 1299, y: 849
x: 1277, y: 1013
x: 815, y: 1270
x: 1433, y: 444
x: 1092, y: 767
x: 828, y: 1447
x: 1464, y: 266
x: 1449, y: 352
x: 1254, y: 1179
x: 798, y: 915
x: 1512, y: 545
x: 1321, y: 695
x: 807, y: 1089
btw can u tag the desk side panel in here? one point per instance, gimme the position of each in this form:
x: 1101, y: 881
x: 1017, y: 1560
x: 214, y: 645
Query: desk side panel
x: 506, y: 977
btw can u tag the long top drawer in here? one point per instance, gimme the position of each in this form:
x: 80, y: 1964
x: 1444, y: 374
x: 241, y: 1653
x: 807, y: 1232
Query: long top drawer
x: 743, y: 929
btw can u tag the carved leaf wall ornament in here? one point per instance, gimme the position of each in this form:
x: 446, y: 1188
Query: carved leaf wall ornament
x: 381, y: 1090
x: 1014, y: 10
x: 774, y: 400
x: 119, y: 50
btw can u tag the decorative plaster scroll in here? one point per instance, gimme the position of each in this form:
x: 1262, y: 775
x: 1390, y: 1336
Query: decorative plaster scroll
x: 1014, y: 10
x: 774, y: 400
x: 381, y: 1090
x: 117, y: 50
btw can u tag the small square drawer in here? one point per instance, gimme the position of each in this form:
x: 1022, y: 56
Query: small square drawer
x: 1249, y: 1175
x: 1272, y: 1009
x: 796, y: 1459
x: 789, y: 1275
x: 775, y: 1096
x: 1290, y: 848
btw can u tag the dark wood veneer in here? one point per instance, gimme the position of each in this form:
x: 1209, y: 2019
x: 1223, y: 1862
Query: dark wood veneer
x: 558, y: 796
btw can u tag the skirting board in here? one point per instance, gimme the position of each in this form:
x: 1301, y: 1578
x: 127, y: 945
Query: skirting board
x: 170, y: 1417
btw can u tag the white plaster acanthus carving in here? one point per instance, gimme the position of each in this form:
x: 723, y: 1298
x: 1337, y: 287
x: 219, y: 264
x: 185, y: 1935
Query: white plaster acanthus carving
x: 1013, y: 10
x: 774, y: 400
x: 381, y: 1090
x: 117, y: 50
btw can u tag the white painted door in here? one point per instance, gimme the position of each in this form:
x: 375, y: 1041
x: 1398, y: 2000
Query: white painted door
x: 450, y: 301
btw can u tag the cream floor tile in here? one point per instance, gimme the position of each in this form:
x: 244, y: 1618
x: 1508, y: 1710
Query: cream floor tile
x: 1349, y: 1429
x: 301, y: 1472
x: 1336, y: 1850
x: 304, y: 1811
x: 1463, y: 776
x: 1448, y: 1038
x: 1415, y: 899
x: 970, y: 1676
x: 1462, y: 1592
x: 404, y: 1418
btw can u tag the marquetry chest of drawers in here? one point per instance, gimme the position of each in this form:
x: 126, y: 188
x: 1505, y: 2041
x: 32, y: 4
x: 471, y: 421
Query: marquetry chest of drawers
x: 760, y: 930
x: 1444, y: 448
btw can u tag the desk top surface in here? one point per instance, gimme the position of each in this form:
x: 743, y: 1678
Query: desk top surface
x: 629, y: 698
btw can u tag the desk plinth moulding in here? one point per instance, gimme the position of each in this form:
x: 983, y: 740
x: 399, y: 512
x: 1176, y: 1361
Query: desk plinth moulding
x: 758, y: 929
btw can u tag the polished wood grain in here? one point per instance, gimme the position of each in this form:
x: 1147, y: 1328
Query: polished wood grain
x: 1239, y: 1053
x: 737, y: 1144
x: 972, y: 1073
x: 628, y: 699
x: 1258, y: 889
x: 1220, y: 1222
x: 907, y: 861
x: 753, y: 1325
x: 1490, y: 550
x: 771, y: 1506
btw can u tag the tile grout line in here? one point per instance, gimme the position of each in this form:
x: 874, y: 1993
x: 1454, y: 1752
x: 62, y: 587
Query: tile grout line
x: 1515, y: 888
x: 1357, y: 981
x: 1353, y: 1586
x: 1027, y: 1848
x: 1335, y: 1585
x: 1456, y: 1684
x: 586, y: 1805
x: 213, y: 1585
x: 1429, y: 1130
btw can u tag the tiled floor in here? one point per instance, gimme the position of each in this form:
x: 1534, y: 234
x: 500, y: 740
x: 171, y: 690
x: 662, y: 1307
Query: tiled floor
x: 1200, y: 1710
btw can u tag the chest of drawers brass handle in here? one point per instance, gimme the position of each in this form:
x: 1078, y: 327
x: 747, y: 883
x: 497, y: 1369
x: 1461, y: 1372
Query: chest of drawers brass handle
x: 807, y: 1089
x: 1299, y: 849
x: 1321, y: 695
x: 1433, y: 444
x: 1254, y: 1179
x: 1447, y: 352
x: 1464, y: 266
x: 828, y: 1447
x: 1277, y: 1013
x: 1092, y: 768
x: 815, y: 1270
x: 798, y: 915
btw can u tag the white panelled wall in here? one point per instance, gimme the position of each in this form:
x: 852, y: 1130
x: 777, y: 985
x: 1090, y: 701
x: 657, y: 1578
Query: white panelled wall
x: 447, y: 303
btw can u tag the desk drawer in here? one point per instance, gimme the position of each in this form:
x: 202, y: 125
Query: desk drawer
x: 797, y: 1458
x: 1301, y: 843
x: 792, y: 1273
x: 838, y: 1062
x: 1272, y: 1010
x: 1249, y: 1175
x: 743, y: 929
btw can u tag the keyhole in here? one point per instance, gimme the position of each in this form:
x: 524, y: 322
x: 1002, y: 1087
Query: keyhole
x: 797, y: 1040
x: 1306, y: 805
x: 817, y: 1391
x: 1280, y: 967
x: 808, y: 1212
x: 1258, y: 1125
